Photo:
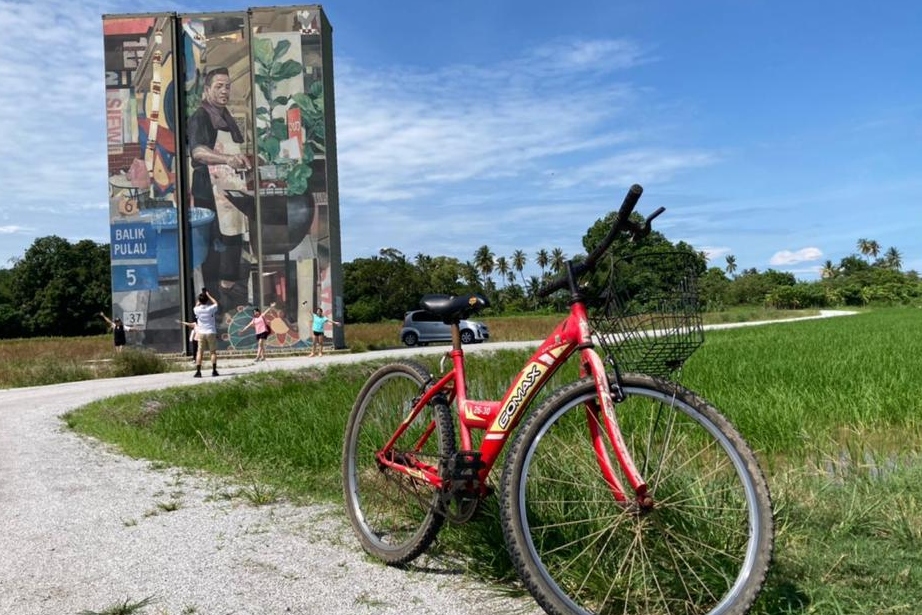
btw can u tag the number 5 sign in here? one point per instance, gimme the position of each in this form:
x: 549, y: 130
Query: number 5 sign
x: 134, y: 277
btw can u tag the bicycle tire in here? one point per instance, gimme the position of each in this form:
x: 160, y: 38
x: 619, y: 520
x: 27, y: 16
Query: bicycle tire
x: 706, y: 545
x: 394, y: 516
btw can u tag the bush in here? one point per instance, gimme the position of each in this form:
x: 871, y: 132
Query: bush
x: 802, y: 295
x: 134, y: 362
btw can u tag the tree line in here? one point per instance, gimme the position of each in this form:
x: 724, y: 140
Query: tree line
x: 58, y: 288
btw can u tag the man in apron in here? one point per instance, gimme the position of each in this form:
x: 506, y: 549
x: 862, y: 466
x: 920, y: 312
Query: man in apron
x: 218, y: 165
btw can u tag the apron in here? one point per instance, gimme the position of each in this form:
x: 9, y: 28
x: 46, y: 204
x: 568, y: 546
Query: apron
x: 231, y: 220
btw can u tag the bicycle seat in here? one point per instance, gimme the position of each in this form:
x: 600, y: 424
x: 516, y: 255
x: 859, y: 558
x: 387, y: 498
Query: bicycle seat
x: 452, y: 309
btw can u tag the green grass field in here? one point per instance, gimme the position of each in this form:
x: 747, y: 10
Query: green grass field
x: 831, y: 406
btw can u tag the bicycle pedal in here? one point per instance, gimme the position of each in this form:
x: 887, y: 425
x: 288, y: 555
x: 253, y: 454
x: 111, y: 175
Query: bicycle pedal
x: 464, y: 465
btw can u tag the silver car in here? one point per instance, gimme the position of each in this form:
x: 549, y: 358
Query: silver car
x: 421, y: 327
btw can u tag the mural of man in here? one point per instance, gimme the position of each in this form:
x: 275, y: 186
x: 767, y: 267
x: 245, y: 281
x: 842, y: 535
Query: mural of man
x: 216, y: 147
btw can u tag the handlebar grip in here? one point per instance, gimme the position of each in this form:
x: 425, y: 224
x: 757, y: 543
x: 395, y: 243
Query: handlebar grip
x: 630, y: 201
x: 621, y: 223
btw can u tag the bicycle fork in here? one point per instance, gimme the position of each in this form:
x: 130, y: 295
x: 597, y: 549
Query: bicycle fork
x: 605, y: 433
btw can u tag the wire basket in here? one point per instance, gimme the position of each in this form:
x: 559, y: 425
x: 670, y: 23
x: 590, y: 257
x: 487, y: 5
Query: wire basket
x: 647, y: 318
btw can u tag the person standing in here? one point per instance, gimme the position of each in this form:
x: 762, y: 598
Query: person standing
x: 193, y: 336
x: 118, y: 332
x: 261, y: 327
x: 207, y: 330
x: 319, y: 320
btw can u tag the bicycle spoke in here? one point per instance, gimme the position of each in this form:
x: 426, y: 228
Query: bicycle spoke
x: 586, y: 552
x: 395, y: 515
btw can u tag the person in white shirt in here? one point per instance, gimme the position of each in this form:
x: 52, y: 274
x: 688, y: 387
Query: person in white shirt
x: 207, y: 330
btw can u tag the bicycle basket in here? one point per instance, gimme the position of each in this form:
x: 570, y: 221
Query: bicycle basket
x: 647, y: 319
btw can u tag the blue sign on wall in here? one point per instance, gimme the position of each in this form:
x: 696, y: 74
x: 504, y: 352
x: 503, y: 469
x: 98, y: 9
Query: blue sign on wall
x: 134, y: 257
x: 134, y: 277
x: 133, y: 241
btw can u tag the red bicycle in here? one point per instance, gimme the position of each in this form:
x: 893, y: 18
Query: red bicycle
x: 622, y: 492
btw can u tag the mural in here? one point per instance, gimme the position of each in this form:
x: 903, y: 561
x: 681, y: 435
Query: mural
x: 291, y: 166
x: 219, y: 158
x: 257, y: 199
x: 141, y: 139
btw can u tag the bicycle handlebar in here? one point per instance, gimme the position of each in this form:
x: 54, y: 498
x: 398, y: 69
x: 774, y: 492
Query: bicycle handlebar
x: 622, y: 223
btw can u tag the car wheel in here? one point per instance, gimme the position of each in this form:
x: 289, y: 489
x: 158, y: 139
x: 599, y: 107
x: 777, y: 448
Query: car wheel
x: 410, y: 339
x: 467, y: 336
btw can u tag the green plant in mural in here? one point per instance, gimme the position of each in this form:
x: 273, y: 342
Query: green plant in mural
x: 272, y: 121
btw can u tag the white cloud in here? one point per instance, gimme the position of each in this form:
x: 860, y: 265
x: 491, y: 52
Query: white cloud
x: 804, y: 255
x: 714, y: 254
x: 596, y: 55
x: 537, y: 118
x: 400, y: 140
x: 13, y: 229
x: 646, y: 166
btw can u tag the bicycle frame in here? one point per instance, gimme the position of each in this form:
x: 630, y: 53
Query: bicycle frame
x: 498, y: 419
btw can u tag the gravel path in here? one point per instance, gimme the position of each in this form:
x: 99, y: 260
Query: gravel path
x: 85, y: 529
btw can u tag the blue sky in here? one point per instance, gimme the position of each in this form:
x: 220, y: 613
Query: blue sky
x: 780, y: 132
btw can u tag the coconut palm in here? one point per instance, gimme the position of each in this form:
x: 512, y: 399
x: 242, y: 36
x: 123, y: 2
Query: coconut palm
x: 869, y: 248
x: 828, y: 271
x: 558, y: 259
x: 470, y: 274
x: 893, y: 258
x: 518, y: 264
x: 502, y: 268
x: 731, y: 264
x: 532, y: 287
x: 542, y: 260
x: 483, y: 260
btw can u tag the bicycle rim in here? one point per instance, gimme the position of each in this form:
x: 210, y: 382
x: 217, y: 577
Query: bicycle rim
x: 394, y: 515
x: 704, y: 547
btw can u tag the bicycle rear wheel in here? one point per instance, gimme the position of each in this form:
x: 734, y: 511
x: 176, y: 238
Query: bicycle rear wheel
x: 703, y: 548
x: 395, y: 516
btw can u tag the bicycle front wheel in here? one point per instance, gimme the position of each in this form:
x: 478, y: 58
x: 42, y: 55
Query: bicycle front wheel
x: 395, y: 515
x: 704, y: 546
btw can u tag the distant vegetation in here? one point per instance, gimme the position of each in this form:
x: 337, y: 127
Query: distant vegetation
x: 58, y: 288
x: 386, y: 285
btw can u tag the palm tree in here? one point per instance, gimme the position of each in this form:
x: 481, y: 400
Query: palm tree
x: 518, y: 264
x: 470, y: 274
x: 558, y: 259
x: 731, y: 264
x: 863, y: 246
x: 532, y: 287
x: 893, y: 258
x: 483, y: 260
x: 502, y: 268
x: 542, y: 260
x: 868, y: 248
x: 828, y: 271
